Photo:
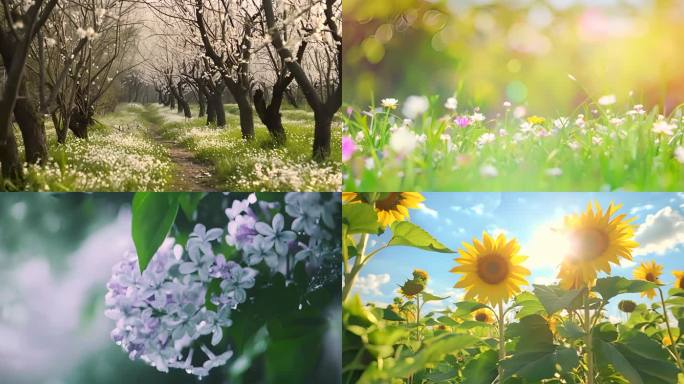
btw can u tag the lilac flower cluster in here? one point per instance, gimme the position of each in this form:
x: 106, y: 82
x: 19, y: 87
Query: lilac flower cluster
x: 161, y: 313
x: 310, y: 237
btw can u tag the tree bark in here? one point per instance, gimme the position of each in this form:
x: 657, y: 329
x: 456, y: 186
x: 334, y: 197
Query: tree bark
x: 32, y: 129
x: 246, y: 115
x: 270, y: 115
x: 321, y: 146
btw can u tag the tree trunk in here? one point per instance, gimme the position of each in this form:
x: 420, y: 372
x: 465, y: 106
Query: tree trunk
x: 321, y: 145
x: 32, y: 130
x: 246, y: 115
x: 211, y: 109
x: 9, y: 157
x: 270, y: 115
x: 201, y: 100
x: 172, y: 101
x: 218, y: 109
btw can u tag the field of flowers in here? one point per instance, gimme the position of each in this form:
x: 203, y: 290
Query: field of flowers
x: 504, y: 329
x: 242, y: 166
x: 118, y: 156
x: 434, y: 144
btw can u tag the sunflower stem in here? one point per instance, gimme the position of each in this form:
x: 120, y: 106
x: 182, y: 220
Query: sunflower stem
x: 502, y: 342
x: 350, y: 277
x: 673, y: 345
x: 587, y: 339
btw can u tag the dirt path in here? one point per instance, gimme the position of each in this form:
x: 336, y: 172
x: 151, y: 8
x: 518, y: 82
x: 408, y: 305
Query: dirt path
x: 190, y: 175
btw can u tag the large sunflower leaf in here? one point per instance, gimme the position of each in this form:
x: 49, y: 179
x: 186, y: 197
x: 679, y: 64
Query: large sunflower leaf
x: 536, y: 357
x: 638, y: 358
x: 409, y: 234
x: 426, y: 296
x: 609, y: 287
x: 482, y: 369
x: 554, y: 298
x: 529, y: 305
x: 433, y: 350
x: 464, y: 308
x: 360, y: 218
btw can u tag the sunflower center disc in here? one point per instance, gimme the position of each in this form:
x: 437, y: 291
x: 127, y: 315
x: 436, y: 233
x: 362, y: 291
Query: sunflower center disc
x: 389, y: 202
x: 650, y: 277
x: 591, y: 243
x: 481, y: 317
x: 681, y: 283
x: 493, y: 269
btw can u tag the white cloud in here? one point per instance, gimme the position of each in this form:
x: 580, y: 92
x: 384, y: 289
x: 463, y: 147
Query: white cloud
x: 456, y: 208
x: 638, y: 209
x: 478, y: 209
x: 624, y: 263
x: 428, y: 211
x: 370, y: 284
x: 660, y: 232
x: 495, y: 231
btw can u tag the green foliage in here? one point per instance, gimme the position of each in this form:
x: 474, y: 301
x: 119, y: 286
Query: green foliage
x: 359, y: 218
x: 609, y: 287
x: 153, y: 216
x: 554, y: 298
x: 408, y: 234
x: 638, y: 358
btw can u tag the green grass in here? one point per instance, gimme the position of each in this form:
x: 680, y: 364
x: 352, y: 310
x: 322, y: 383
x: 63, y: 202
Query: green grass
x: 258, y: 165
x: 118, y: 156
x: 609, y: 148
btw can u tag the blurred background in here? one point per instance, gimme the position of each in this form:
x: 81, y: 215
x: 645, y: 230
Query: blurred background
x: 56, y: 256
x: 520, y: 51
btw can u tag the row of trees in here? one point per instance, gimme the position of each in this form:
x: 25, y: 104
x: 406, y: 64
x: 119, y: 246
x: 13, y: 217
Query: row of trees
x: 61, y: 58
x: 257, y: 51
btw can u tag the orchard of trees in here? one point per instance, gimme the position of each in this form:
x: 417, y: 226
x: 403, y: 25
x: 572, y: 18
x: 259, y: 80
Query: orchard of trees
x: 64, y: 62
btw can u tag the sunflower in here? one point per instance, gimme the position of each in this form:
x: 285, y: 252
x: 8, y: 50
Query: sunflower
x: 679, y: 279
x: 491, y: 269
x: 419, y: 274
x: 411, y: 288
x: 391, y: 206
x: 597, y: 239
x: 649, y: 272
x: 483, y: 315
x: 627, y: 306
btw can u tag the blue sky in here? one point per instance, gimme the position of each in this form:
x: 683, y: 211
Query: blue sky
x: 456, y: 217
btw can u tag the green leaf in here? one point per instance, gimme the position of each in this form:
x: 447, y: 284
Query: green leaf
x: 482, y: 369
x: 388, y: 314
x: 529, y: 305
x: 446, y: 320
x: 570, y: 330
x: 609, y: 287
x: 433, y: 350
x: 536, y: 357
x: 189, y: 202
x: 408, y: 234
x: 153, y: 216
x: 637, y: 357
x: 554, y: 298
x: 360, y: 218
x: 464, y: 308
x: 425, y: 296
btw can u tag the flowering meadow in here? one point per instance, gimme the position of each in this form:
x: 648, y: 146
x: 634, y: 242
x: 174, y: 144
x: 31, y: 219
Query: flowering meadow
x: 596, y: 295
x: 119, y: 155
x: 439, y: 144
x: 259, y: 165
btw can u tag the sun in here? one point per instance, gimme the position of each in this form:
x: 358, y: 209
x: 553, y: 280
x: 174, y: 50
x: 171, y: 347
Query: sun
x: 597, y: 239
x: 548, y: 245
x: 491, y: 269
